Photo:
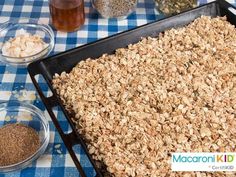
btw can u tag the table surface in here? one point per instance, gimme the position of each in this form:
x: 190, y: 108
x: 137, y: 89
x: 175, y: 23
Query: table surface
x: 15, y: 82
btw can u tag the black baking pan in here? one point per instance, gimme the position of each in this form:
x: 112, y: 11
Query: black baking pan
x: 67, y: 60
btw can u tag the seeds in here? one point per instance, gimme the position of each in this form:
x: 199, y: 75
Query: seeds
x: 166, y: 94
x: 114, y: 8
x: 17, y: 143
x: 173, y: 6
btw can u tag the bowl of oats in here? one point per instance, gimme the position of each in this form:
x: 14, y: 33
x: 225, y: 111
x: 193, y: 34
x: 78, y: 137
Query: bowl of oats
x: 23, y: 41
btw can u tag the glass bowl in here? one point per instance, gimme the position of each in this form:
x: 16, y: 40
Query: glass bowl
x: 29, y: 115
x: 114, y: 9
x: 11, y: 28
x: 173, y: 7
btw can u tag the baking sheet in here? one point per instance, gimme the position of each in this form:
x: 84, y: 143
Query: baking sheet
x: 67, y: 60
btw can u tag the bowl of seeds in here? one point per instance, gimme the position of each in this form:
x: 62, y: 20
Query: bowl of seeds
x: 24, y: 133
x: 114, y: 8
x: 172, y: 7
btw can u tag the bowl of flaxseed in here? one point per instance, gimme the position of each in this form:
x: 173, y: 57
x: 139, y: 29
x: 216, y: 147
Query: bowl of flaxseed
x: 24, y: 132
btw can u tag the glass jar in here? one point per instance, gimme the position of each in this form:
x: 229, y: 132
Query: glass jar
x: 171, y: 7
x: 114, y: 8
x: 67, y: 15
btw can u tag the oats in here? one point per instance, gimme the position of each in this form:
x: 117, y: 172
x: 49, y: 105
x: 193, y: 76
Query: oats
x: 7, y: 118
x: 205, y: 132
x: 59, y: 151
x: 171, y: 93
x: 182, y: 138
x: 57, y: 146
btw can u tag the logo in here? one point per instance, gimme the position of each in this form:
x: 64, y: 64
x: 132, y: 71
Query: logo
x: 203, y: 162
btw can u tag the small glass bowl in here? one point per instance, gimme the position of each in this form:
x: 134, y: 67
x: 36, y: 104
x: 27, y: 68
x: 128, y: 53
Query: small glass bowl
x: 170, y: 7
x: 29, y: 115
x: 106, y: 9
x: 9, y: 30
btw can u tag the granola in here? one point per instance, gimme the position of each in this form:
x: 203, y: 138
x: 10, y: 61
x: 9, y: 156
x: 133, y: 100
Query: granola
x: 172, y: 93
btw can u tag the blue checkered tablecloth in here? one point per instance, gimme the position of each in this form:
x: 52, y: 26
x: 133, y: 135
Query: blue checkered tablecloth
x: 15, y: 83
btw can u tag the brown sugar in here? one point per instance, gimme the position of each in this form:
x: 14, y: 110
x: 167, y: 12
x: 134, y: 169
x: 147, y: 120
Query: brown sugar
x: 17, y: 143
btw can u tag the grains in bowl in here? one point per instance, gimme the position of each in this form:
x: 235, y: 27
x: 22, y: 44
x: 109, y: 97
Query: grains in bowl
x: 172, y: 93
x: 17, y: 143
x: 23, y: 45
x: 114, y: 8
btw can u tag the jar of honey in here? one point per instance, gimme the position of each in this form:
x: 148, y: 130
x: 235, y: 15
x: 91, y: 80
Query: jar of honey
x: 67, y: 15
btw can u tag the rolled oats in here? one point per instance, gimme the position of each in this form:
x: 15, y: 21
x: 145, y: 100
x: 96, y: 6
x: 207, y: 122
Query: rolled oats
x: 175, y: 92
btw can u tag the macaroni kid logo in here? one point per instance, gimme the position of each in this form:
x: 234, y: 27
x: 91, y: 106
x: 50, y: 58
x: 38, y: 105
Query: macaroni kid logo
x: 203, y: 161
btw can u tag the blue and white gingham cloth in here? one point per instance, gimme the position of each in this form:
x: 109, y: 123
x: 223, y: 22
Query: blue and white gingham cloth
x: 15, y: 82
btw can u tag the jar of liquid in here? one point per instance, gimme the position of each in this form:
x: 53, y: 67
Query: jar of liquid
x: 67, y: 15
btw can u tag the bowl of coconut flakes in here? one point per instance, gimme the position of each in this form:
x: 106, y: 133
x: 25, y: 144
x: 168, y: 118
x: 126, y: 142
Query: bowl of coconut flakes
x: 24, y: 41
